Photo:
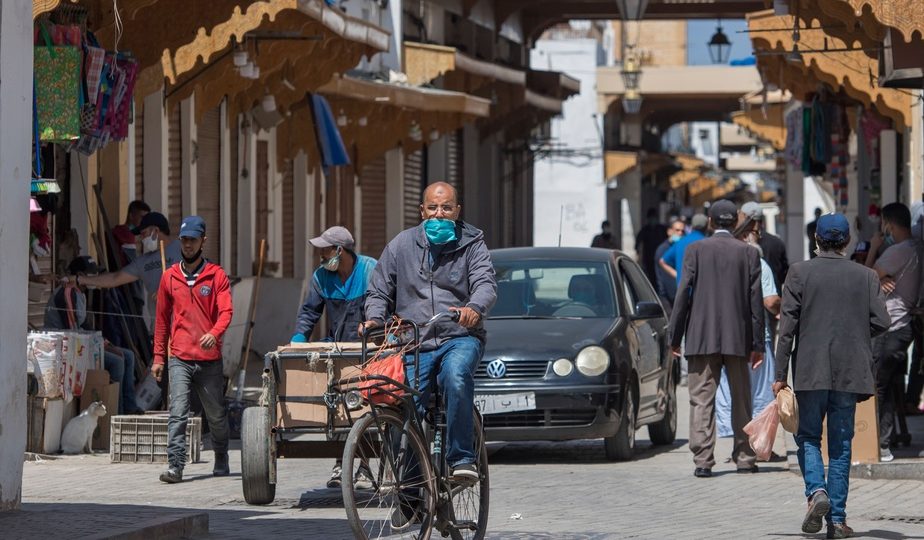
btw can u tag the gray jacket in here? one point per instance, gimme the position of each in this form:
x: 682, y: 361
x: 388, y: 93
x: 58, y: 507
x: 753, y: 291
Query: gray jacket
x: 832, y: 308
x: 416, y: 284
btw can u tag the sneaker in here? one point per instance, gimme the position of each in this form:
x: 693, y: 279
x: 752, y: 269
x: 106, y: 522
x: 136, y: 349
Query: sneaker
x: 363, y: 478
x: 403, y: 516
x: 172, y: 475
x: 683, y: 381
x: 885, y: 455
x: 221, y: 467
x: 818, y: 506
x: 839, y: 530
x: 334, y: 481
x: 467, y: 472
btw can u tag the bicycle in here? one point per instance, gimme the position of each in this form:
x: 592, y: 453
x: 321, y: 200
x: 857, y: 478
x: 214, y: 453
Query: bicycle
x: 411, y: 493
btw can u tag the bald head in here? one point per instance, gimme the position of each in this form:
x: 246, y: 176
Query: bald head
x: 440, y: 201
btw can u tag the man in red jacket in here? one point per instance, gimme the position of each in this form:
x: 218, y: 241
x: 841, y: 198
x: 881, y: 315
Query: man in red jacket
x: 193, y: 312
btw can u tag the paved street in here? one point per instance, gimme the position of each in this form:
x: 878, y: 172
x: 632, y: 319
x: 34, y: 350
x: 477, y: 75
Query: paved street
x: 540, y: 490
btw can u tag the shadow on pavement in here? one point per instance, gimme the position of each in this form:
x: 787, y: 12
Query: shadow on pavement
x: 585, y: 451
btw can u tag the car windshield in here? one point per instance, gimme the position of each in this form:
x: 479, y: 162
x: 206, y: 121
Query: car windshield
x: 553, y: 289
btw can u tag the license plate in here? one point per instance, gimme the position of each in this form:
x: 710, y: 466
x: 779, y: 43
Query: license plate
x: 502, y: 403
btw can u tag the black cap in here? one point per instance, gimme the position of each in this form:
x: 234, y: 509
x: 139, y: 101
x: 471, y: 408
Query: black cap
x: 155, y: 219
x: 83, y: 265
x: 723, y: 211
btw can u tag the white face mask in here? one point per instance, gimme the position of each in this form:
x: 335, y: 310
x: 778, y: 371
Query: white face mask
x: 333, y: 263
x: 149, y: 244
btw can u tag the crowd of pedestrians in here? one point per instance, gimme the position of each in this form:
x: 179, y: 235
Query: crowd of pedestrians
x: 747, y: 324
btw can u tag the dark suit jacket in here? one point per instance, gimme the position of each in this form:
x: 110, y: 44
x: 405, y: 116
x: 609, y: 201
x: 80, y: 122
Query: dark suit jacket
x: 775, y: 254
x: 719, y: 304
x: 832, y: 308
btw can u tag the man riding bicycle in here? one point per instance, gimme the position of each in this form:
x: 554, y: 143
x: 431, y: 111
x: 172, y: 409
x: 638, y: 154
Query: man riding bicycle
x: 441, y: 264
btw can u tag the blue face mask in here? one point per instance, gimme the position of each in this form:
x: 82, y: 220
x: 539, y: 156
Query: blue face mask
x: 440, y: 231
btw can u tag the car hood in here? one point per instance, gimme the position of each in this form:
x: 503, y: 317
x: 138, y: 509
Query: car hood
x: 535, y: 339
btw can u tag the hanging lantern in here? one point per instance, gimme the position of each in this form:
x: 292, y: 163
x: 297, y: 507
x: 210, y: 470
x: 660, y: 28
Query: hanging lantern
x: 719, y: 46
x: 632, y: 101
x: 631, y: 72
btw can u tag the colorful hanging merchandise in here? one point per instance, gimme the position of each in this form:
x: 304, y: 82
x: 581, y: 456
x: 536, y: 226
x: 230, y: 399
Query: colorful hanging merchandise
x: 794, y: 138
x: 57, y: 87
x: 840, y: 156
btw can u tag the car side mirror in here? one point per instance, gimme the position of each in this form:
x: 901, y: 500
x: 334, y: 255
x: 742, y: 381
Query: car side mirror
x: 648, y: 310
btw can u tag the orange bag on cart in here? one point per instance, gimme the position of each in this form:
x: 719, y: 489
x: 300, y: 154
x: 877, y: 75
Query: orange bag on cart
x: 381, y: 392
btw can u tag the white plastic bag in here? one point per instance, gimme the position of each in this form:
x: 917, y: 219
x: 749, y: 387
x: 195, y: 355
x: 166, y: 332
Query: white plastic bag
x: 762, y: 431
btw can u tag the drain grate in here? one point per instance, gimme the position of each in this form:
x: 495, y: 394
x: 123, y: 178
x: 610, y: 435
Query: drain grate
x: 915, y: 520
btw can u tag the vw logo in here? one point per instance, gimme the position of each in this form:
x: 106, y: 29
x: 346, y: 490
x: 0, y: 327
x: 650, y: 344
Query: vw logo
x: 497, y: 369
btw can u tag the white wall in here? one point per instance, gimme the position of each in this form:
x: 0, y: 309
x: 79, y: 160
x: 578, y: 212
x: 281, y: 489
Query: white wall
x: 573, y: 187
x: 15, y: 173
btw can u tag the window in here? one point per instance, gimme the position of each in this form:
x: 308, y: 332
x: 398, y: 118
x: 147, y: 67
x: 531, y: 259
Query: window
x: 636, y: 285
x: 553, y: 289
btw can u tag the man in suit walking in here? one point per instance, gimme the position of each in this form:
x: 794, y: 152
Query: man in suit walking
x: 719, y: 308
x: 834, y: 339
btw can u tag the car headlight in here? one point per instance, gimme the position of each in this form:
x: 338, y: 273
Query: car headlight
x: 592, y: 361
x: 563, y: 367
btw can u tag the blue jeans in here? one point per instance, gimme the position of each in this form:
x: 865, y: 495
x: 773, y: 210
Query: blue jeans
x: 122, y: 370
x: 452, y: 366
x: 839, y: 407
x: 207, y: 379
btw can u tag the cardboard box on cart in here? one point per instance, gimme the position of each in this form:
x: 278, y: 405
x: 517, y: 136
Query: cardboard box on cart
x: 300, y: 377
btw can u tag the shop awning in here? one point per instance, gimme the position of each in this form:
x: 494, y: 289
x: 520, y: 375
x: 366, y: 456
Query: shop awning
x: 765, y: 123
x: 850, y: 71
x: 424, y: 62
x: 553, y: 83
x: 191, y: 51
x: 374, y: 117
x: 905, y: 16
x: 618, y: 163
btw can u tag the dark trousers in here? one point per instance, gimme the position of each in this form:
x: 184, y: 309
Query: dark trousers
x: 915, y: 377
x: 207, y: 379
x: 703, y: 380
x: 890, y: 354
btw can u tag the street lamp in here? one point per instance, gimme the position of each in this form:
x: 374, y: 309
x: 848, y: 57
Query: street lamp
x: 632, y: 101
x: 631, y: 71
x: 632, y: 10
x: 719, y: 46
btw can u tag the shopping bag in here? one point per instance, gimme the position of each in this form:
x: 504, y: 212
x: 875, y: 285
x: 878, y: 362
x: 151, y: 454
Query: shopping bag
x: 762, y: 431
x: 789, y: 409
x: 378, y: 391
x: 57, y: 73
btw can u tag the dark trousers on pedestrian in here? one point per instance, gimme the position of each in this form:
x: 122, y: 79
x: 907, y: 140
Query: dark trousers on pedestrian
x: 207, y: 379
x: 915, y: 376
x: 839, y: 408
x: 890, y: 352
x: 703, y: 380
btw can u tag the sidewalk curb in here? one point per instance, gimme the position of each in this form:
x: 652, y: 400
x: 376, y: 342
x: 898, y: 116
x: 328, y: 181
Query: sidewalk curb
x: 895, y: 470
x: 165, y: 528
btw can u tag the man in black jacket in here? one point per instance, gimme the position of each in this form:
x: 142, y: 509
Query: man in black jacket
x: 832, y: 308
x: 719, y: 308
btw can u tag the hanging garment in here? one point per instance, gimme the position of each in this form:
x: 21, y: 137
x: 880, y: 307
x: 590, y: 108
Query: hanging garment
x: 57, y: 90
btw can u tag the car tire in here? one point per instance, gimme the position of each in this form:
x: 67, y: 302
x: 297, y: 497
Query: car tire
x: 621, y: 446
x: 664, y: 431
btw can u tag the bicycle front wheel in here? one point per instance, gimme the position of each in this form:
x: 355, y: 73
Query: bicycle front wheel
x: 389, y: 490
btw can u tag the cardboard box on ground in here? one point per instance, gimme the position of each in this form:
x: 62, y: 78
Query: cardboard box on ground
x: 98, y: 388
x: 865, y: 448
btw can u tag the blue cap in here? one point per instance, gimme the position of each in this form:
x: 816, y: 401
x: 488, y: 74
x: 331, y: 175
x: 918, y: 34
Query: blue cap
x: 833, y: 228
x: 192, y: 227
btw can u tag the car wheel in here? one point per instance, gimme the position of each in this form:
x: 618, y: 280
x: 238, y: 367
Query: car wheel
x: 621, y: 446
x: 664, y: 431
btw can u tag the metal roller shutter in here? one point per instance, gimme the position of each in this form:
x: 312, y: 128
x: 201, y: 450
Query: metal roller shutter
x: 262, y: 210
x: 233, y: 142
x: 455, y: 160
x: 288, y: 220
x: 208, y: 181
x: 413, y: 187
x: 347, y: 187
x: 372, y: 180
x: 174, y: 172
x: 139, y: 154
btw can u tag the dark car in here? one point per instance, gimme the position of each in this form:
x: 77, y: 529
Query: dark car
x: 577, y: 348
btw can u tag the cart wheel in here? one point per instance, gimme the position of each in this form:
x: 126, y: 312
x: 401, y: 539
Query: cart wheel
x: 255, y: 456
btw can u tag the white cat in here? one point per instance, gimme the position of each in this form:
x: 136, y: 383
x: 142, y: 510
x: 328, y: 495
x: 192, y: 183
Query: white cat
x: 78, y: 434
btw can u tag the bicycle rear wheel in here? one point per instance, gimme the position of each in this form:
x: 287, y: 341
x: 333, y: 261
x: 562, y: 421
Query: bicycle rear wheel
x: 384, y: 451
x: 470, y: 501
